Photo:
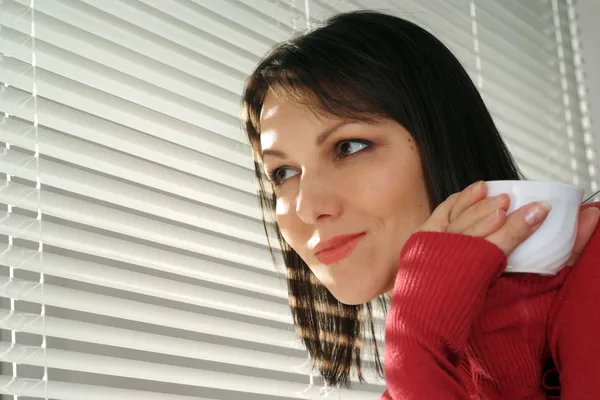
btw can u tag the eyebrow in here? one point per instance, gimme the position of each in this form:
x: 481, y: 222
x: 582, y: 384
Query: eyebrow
x: 320, y: 139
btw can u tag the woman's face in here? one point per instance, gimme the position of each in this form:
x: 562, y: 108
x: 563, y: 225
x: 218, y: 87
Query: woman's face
x: 349, y: 194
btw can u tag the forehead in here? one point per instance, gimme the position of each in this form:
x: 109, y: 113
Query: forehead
x: 269, y: 108
x: 277, y: 107
x: 281, y: 117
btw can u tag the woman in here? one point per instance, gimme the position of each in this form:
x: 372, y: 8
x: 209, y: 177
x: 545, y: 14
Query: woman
x: 365, y: 128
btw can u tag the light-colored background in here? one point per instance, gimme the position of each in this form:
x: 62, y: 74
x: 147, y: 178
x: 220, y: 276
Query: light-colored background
x: 223, y: 300
x: 589, y: 14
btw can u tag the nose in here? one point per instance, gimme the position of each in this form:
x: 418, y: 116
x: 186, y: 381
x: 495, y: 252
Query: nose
x: 317, y: 200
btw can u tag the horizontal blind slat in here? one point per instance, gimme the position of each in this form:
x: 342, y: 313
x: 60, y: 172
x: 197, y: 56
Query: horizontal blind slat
x: 121, y: 34
x: 240, y: 13
x: 503, y: 74
x: 91, y: 61
x: 78, y: 300
x: 531, y: 124
x: 146, y: 256
x: 499, y: 40
x: 120, y: 98
x: 154, y: 343
x: 241, y: 253
x: 56, y: 390
x: 127, y: 17
x: 533, y: 28
x: 110, y: 136
x: 525, y: 98
x: 135, y: 118
x: 119, y: 194
x: 188, y: 187
x: 554, y: 149
x: 112, y: 366
x: 93, y: 132
x: 134, y: 282
x: 201, y: 18
x: 149, y: 342
x: 122, y: 194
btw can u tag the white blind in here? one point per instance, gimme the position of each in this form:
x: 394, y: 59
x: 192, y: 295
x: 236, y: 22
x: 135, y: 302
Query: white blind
x: 133, y: 262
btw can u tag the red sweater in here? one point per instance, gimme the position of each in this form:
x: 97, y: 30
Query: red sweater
x: 458, y: 329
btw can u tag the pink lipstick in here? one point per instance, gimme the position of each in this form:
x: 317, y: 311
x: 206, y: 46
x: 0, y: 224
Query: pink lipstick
x: 337, y: 248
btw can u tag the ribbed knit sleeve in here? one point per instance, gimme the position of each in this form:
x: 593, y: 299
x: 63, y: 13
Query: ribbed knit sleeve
x: 440, y: 288
x: 574, y: 326
x: 507, y: 345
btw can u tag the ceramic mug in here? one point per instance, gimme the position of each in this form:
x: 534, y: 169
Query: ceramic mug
x: 551, y: 244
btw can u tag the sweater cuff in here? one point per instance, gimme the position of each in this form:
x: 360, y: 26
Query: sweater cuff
x: 442, y: 282
x: 453, y: 255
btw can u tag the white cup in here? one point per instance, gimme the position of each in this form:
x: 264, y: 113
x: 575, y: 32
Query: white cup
x: 546, y: 251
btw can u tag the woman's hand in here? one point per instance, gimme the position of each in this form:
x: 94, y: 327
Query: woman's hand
x: 471, y: 213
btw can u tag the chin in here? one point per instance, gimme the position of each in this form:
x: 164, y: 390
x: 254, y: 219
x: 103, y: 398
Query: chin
x: 352, y: 298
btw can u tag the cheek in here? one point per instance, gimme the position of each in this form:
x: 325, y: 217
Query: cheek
x: 393, y: 188
x: 282, y: 208
x: 293, y: 230
x: 284, y: 219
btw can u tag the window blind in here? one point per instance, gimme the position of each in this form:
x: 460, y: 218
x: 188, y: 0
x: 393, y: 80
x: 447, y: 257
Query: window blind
x: 133, y: 259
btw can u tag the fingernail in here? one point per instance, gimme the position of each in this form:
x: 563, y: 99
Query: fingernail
x: 537, y: 213
x: 475, y: 187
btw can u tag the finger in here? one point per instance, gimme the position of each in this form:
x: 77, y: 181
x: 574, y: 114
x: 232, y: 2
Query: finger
x: 478, y: 212
x: 487, y: 224
x: 467, y: 198
x: 588, y: 219
x: 519, y: 226
x: 438, y: 221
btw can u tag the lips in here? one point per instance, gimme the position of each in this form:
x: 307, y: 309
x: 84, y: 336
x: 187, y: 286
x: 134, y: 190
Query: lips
x: 337, y: 248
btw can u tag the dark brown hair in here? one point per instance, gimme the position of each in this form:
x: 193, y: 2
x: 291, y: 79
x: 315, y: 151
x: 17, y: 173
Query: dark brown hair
x: 366, y: 65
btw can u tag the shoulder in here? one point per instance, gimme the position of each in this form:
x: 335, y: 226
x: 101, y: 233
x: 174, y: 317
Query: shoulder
x: 576, y: 303
x: 574, y: 325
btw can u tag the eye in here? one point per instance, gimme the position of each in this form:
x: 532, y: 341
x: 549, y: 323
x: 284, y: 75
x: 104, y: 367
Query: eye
x: 347, y: 148
x: 343, y: 149
x: 279, y: 175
